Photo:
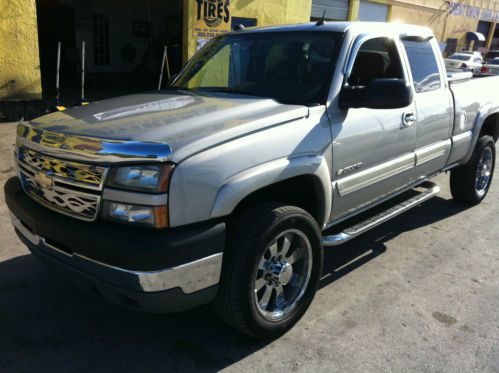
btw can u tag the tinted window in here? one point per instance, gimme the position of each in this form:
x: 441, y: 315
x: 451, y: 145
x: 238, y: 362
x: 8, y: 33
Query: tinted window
x: 492, y: 55
x: 377, y: 58
x: 460, y: 57
x: 424, y: 66
x: 291, y: 67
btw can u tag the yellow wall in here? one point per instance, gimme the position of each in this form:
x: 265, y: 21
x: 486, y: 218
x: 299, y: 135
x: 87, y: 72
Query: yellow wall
x: 430, y: 13
x: 19, y: 59
x: 267, y: 12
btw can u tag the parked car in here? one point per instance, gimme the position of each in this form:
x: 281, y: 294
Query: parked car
x: 473, y: 53
x: 463, y: 62
x: 265, y: 150
x: 491, y: 55
x: 491, y: 67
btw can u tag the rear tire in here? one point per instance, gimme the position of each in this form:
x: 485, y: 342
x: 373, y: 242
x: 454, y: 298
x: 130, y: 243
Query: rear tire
x: 272, y: 267
x: 470, y: 183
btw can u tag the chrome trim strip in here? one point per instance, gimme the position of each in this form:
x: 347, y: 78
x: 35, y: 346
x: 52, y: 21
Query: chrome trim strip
x: 431, y: 152
x: 30, y: 236
x: 375, y: 174
x: 90, y: 149
x: 135, y: 198
x: 460, y: 145
x: 190, y: 277
x: 464, y: 136
x: 362, y: 227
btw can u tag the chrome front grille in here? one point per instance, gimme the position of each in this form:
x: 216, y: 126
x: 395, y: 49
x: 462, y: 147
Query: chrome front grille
x: 67, y: 187
x: 84, y: 175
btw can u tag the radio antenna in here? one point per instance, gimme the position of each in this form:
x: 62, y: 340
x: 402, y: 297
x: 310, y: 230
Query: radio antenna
x: 323, y: 20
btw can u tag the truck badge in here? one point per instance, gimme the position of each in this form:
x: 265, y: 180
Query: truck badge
x: 43, y: 180
x: 348, y: 169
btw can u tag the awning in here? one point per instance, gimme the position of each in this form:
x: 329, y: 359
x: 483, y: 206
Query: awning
x: 474, y: 36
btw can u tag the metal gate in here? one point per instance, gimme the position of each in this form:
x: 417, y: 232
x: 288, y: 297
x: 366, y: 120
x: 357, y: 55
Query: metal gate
x: 334, y: 9
x: 372, y: 12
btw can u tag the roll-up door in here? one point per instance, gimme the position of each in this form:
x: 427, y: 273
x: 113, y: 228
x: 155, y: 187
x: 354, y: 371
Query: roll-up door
x: 335, y: 9
x: 372, y: 12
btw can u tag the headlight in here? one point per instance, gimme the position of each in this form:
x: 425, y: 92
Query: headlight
x: 138, y: 208
x: 151, y: 216
x: 141, y: 178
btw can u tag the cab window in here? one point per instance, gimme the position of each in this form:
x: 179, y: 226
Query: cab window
x: 424, y: 66
x: 377, y: 58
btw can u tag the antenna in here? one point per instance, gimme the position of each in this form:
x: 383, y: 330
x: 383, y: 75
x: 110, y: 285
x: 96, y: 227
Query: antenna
x: 323, y: 20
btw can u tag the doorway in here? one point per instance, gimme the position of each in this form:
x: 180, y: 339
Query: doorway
x: 124, y: 43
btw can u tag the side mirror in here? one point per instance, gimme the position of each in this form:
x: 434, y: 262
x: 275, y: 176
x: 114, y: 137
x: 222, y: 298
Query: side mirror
x: 379, y: 94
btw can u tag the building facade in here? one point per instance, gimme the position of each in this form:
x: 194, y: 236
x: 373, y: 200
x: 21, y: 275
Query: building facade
x: 455, y: 23
x: 125, y: 40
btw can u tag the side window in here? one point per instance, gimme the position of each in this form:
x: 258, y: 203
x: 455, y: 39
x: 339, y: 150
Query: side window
x: 424, y: 66
x: 377, y: 58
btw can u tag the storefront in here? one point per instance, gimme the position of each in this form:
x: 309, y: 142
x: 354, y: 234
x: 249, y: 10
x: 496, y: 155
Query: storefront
x: 124, y: 43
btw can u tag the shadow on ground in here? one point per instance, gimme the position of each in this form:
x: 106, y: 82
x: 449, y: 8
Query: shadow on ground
x: 49, y: 325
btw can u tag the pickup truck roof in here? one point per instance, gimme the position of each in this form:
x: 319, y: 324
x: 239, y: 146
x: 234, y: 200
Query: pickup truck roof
x: 357, y: 27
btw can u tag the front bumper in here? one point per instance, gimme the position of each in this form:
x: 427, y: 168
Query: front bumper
x: 153, y: 271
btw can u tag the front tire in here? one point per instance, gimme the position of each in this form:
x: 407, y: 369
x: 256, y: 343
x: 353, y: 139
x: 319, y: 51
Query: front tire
x: 272, y: 268
x: 471, y: 182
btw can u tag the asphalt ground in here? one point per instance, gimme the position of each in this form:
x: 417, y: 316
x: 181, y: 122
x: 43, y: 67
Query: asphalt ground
x: 419, y: 293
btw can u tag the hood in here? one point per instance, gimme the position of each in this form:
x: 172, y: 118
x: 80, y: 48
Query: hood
x: 187, y: 122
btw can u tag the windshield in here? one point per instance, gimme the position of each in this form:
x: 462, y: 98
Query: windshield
x: 460, y: 57
x: 495, y: 61
x: 291, y: 67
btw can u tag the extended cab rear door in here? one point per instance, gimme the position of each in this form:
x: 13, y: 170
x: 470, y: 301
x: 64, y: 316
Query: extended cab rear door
x: 434, y: 105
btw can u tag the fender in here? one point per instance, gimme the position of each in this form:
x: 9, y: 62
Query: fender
x: 241, y: 185
x: 483, y: 114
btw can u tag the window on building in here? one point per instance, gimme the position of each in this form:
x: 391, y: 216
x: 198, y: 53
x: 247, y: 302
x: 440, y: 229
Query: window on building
x: 424, y: 66
x: 377, y: 58
x: 100, y: 33
x: 451, y: 47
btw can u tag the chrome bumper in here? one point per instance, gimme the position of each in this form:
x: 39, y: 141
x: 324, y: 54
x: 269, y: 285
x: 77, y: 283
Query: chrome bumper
x: 189, y: 277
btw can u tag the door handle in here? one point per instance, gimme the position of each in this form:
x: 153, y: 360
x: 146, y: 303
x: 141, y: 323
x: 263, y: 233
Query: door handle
x: 409, y: 119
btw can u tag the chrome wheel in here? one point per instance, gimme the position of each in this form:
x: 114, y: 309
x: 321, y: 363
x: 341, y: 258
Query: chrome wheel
x: 283, y: 274
x: 483, y: 172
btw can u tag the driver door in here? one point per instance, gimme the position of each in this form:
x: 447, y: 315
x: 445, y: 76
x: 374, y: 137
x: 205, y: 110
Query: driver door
x: 373, y: 149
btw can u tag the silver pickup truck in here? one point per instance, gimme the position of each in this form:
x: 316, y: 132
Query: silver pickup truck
x: 221, y: 187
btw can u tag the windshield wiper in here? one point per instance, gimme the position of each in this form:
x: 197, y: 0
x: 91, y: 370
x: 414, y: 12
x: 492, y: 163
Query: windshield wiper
x: 226, y: 90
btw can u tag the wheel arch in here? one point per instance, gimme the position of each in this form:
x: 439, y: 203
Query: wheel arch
x: 303, y: 181
x: 486, y: 123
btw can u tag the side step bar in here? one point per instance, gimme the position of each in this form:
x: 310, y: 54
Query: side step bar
x: 362, y: 227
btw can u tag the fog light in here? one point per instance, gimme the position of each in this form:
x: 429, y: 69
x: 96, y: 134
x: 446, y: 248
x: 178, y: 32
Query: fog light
x: 151, y: 216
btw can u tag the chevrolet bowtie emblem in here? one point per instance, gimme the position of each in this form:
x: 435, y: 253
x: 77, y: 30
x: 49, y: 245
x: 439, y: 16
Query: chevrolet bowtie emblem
x: 44, y: 180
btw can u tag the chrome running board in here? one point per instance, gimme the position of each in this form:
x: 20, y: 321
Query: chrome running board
x: 349, y: 233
